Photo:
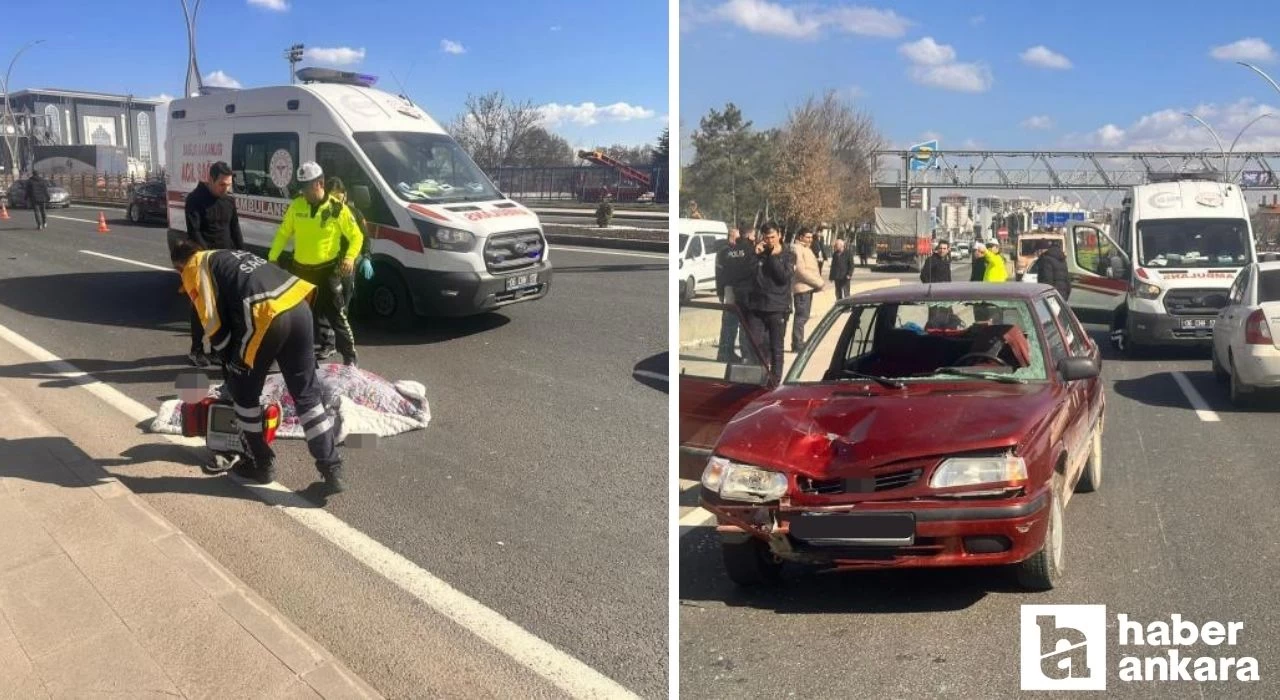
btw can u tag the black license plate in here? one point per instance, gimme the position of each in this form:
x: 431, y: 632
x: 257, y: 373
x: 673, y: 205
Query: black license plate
x: 1196, y: 323
x: 890, y: 529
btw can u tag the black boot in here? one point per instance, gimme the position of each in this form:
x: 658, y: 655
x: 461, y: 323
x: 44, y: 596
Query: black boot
x: 250, y: 470
x: 334, y: 480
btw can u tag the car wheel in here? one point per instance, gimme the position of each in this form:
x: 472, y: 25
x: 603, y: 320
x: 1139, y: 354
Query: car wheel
x: 1043, y: 570
x: 1241, y: 393
x: 1219, y: 372
x: 132, y: 214
x: 1091, y: 478
x: 750, y: 563
x: 388, y: 299
x: 690, y: 287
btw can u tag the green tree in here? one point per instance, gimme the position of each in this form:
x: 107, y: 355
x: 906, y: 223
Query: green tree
x: 540, y: 147
x: 729, y: 175
x: 661, y: 156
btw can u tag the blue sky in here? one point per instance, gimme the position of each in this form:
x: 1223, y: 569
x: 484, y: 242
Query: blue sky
x: 599, y: 91
x: 1009, y: 75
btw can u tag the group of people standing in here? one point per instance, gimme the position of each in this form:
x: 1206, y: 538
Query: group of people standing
x: 989, y: 265
x: 769, y: 280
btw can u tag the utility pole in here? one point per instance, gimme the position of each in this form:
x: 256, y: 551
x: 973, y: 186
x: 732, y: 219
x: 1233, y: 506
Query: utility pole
x: 194, y: 82
x: 294, y: 56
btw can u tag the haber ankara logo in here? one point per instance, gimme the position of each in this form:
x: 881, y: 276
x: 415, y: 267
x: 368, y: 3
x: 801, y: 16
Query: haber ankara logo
x: 1064, y: 647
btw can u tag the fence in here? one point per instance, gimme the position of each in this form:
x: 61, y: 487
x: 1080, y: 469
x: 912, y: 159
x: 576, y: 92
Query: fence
x: 106, y: 189
x: 578, y: 183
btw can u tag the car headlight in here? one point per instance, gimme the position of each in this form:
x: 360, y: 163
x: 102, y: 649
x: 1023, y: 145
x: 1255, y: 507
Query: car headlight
x: 742, y: 482
x: 973, y: 471
x: 1146, y: 291
x: 441, y: 238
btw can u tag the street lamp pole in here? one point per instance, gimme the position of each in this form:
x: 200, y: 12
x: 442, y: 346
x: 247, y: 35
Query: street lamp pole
x: 1256, y: 119
x: 8, y: 112
x: 1226, y: 168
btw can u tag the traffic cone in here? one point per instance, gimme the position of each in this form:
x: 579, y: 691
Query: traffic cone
x: 4, y: 211
x: 102, y: 223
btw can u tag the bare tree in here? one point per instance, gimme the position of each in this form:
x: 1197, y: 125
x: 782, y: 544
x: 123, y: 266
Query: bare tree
x: 807, y: 172
x: 853, y: 137
x: 493, y: 130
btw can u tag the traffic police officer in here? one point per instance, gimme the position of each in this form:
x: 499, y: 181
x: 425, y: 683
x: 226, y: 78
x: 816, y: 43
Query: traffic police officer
x: 255, y: 314
x: 320, y: 223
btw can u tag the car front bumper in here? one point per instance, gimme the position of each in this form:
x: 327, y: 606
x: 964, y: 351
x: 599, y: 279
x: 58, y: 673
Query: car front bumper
x: 455, y: 294
x: 1164, y: 329
x: 946, y: 533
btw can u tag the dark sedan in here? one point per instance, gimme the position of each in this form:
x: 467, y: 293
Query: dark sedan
x: 921, y: 426
x: 147, y: 203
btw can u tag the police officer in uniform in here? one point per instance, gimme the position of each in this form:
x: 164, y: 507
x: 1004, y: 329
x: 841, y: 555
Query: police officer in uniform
x: 321, y: 223
x: 255, y: 314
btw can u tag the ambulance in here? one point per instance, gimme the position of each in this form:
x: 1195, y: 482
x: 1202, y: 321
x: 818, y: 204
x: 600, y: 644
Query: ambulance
x: 443, y: 240
x: 1165, y: 268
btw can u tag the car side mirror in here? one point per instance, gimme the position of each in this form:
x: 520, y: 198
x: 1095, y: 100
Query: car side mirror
x: 747, y: 374
x: 360, y: 195
x: 1077, y: 368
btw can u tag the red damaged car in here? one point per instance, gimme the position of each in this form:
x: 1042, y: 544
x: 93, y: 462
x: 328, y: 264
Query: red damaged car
x: 922, y: 426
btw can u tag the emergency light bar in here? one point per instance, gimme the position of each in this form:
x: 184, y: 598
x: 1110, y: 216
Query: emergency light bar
x: 340, y: 77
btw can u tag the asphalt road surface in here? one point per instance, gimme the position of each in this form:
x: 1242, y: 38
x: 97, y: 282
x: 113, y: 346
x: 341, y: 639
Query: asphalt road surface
x: 1184, y: 523
x: 558, y: 222
x: 536, y: 489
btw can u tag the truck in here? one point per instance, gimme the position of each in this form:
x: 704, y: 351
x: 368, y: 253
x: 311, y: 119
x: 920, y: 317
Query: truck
x: 1163, y: 272
x: 902, y: 237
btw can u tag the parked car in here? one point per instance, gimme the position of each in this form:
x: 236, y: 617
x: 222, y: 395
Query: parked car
x: 59, y: 197
x: 700, y: 240
x: 1246, y: 352
x: 921, y: 426
x: 147, y: 201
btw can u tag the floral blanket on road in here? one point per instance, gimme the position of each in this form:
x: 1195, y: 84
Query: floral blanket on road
x: 360, y: 402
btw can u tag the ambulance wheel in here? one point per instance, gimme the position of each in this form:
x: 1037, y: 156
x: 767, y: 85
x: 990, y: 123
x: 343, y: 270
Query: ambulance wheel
x: 388, y: 299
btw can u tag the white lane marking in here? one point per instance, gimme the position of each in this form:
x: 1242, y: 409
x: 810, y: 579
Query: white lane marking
x: 72, y: 218
x: 566, y: 672
x: 1198, y: 403
x: 553, y: 246
x: 131, y: 262
x: 695, y: 519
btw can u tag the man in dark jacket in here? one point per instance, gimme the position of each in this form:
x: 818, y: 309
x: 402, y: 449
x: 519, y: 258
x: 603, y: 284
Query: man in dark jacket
x: 979, y: 261
x: 212, y: 222
x: 38, y: 198
x: 937, y: 268
x: 1051, y: 269
x: 771, y: 301
x: 841, y: 268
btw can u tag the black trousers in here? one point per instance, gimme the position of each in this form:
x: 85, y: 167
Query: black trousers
x: 197, y: 331
x: 842, y: 289
x: 333, y: 328
x: 42, y: 218
x: 803, y: 304
x: 768, y: 329
x: 288, y: 343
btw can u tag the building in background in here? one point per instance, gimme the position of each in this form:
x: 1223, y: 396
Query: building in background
x: 49, y: 117
x: 954, y: 216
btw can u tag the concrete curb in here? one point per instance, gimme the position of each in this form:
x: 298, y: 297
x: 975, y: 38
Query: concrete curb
x: 307, y: 658
x: 601, y: 242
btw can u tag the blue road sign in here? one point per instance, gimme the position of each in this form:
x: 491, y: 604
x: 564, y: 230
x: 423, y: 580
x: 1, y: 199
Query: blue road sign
x: 924, y: 155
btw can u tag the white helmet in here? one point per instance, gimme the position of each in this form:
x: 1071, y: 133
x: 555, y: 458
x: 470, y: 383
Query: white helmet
x: 309, y: 171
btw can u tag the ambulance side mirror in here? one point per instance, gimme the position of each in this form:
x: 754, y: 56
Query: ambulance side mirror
x: 360, y: 195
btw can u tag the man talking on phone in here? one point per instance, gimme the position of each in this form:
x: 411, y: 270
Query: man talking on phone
x: 771, y: 301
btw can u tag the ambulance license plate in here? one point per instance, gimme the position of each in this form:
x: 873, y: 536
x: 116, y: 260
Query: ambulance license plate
x: 1196, y: 323
x: 522, y: 281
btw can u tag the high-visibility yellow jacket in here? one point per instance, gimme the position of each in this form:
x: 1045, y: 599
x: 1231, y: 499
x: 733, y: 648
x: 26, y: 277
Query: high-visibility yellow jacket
x: 237, y: 294
x: 319, y: 231
x: 995, y: 270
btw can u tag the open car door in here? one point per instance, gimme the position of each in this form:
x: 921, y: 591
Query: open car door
x: 720, y: 373
x: 1099, y: 272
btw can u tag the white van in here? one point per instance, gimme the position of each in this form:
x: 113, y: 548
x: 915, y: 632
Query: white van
x: 1167, y: 266
x: 700, y: 240
x: 444, y: 241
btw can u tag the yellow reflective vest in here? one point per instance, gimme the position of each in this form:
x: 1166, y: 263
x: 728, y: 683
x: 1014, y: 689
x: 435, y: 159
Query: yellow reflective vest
x: 995, y: 270
x: 319, y: 231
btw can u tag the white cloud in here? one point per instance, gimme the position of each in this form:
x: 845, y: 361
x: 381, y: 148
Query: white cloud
x: 760, y: 17
x: 221, y: 79
x: 1251, y: 49
x: 977, y: 20
x: 958, y: 77
x: 453, y: 47
x: 555, y: 28
x: 277, y: 5
x: 1038, y: 122
x: 806, y: 22
x: 1044, y: 57
x: 1169, y: 129
x: 928, y: 52
x: 868, y: 21
x: 1109, y: 135
x: 337, y: 56
x: 589, y: 113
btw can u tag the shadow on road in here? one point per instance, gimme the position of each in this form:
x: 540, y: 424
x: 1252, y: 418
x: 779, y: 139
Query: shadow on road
x: 133, y: 299
x: 161, y: 369
x: 425, y: 331
x: 652, y: 372
x: 632, y: 267
x: 805, y: 591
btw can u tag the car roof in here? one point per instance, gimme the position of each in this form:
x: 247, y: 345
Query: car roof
x: 949, y: 291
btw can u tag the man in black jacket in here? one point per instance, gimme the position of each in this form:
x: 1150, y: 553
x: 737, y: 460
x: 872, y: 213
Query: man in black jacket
x: 38, y: 198
x: 979, y: 261
x: 771, y: 301
x: 937, y: 268
x: 212, y: 222
x: 841, y: 268
x: 1051, y: 269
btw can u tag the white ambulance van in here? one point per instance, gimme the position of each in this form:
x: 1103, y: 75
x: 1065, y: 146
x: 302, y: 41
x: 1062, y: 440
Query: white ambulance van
x: 1166, y: 267
x: 443, y: 240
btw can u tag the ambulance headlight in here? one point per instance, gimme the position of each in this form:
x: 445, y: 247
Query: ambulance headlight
x: 1146, y: 291
x: 442, y: 238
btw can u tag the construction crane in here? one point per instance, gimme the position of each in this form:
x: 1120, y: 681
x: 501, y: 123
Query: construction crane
x: 628, y: 172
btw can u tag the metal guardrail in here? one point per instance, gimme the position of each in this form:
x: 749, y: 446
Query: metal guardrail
x: 103, y: 189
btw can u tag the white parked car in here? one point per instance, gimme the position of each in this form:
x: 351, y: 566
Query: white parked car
x: 1246, y: 347
x: 700, y: 240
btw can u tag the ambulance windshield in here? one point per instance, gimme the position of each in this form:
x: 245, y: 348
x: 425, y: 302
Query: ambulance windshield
x: 1193, y: 242
x: 423, y: 167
